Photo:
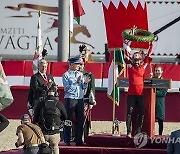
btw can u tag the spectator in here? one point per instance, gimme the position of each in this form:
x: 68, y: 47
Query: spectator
x: 39, y: 85
x: 3, y: 122
x: 74, y: 84
x: 173, y: 146
x: 27, y: 137
x: 49, y: 115
x: 160, y: 100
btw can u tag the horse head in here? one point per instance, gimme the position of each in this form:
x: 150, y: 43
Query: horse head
x: 85, y: 31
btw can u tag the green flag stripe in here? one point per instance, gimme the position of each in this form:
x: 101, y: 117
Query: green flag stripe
x: 77, y: 19
x: 119, y: 60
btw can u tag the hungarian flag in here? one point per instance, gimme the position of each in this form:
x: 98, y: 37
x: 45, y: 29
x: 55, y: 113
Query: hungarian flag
x: 71, y: 16
x: 6, y: 97
x: 115, y: 70
x: 124, y: 14
x: 39, y: 48
x: 77, y: 10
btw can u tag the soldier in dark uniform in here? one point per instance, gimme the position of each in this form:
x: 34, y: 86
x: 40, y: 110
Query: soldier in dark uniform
x: 89, y: 99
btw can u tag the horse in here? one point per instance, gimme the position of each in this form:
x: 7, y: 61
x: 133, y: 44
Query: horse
x: 77, y: 29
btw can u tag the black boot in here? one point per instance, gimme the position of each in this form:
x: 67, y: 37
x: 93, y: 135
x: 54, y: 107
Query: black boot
x: 139, y: 123
x: 128, y: 125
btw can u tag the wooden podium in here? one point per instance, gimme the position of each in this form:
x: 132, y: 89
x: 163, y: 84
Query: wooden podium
x: 149, y: 102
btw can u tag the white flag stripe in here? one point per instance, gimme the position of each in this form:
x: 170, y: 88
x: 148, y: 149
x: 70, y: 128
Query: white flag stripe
x: 111, y: 78
x: 71, y: 16
x: 39, y: 48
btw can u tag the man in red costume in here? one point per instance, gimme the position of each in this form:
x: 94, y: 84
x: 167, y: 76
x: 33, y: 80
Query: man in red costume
x: 136, y: 68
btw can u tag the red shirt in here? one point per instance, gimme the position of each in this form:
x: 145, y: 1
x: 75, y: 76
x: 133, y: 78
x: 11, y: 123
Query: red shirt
x: 136, y: 80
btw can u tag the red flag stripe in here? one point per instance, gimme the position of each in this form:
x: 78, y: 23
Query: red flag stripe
x: 77, y: 8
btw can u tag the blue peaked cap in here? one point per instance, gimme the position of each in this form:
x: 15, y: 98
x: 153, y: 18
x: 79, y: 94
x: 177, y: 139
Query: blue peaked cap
x: 74, y: 60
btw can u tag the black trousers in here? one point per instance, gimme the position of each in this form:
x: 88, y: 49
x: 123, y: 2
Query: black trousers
x: 86, y: 122
x: 31, y: 150
x: 74, y: 106
x: 86, y: 128
x: 132, y: 101
x: 160, y: 123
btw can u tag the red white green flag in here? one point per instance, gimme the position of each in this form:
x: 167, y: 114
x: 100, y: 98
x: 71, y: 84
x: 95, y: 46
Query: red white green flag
x: 115, y: 70
x: 6, y: 97
x: 77, y: 10
x: 38, y: 52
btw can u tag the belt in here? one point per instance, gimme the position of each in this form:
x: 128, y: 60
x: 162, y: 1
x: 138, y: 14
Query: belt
x: 32, y: 145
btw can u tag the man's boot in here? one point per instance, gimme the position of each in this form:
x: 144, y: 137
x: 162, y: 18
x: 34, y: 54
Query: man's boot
x: 128, y: 125
x: 140, y: 119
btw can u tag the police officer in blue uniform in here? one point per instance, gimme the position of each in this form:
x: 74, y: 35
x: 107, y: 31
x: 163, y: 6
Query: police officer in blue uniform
x: 74, y: 83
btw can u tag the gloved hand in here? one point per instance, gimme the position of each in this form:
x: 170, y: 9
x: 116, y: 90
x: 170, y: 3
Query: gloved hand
x: 44, y: 53
x: 81, y: 48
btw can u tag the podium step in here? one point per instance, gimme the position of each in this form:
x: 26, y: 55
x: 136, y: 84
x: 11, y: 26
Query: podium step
x: 108, y: 150
x: 108, y: 144
x: 107, y: 140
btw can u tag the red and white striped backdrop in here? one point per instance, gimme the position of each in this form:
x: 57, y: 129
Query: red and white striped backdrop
x: 19, y: 72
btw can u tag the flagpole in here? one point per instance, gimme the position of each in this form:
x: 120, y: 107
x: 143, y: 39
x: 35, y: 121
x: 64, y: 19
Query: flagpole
x: 63, y: 30
x: 69, y: 55
x: 39, y: 46
x: 114, y: 93
x: 71, y: 18
x: 125, y: 73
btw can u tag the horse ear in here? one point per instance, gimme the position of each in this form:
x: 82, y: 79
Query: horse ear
x: 83, y: 26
